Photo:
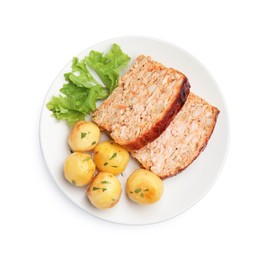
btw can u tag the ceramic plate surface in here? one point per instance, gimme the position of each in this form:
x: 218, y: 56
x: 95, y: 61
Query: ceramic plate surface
x: 180, y: 192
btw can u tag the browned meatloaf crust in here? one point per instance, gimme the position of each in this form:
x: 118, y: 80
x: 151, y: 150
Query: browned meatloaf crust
x: 146, y: 100
x: 181, y: 143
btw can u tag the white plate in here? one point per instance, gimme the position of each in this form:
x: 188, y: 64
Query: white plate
x: 180, y: 192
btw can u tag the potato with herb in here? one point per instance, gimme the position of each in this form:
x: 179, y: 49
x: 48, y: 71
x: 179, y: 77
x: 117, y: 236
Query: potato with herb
x: 79, y: 168
x: 111, y: 157
x: 84, y: 136
x: 104, y: 190
x: 144, y: 187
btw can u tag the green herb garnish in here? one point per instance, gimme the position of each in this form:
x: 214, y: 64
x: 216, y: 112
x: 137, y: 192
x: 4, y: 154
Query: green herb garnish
x: 105, y: 182
x: 137, y: 190
x: 96, y: 188
x: 115, y: 166
x: 83, y: 135
x: 87, y: 159
x: 113, y: 156
x: 73, y: 182
x: 93, y: 143
x: 105, y: 163
x: 104, y: 189
x: 142, y: 195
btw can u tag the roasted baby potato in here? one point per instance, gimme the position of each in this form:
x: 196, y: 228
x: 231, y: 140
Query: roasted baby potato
x: 144, y: 187
x: 84, y: 136
x: 111, y: 157
x: 79, y: 168
x: 104, y: 190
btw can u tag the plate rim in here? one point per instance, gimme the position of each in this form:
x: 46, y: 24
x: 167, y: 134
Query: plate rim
x: 223, y: 161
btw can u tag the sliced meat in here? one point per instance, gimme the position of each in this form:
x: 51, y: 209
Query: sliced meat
x: 181, y: 143
x: 146, y: 100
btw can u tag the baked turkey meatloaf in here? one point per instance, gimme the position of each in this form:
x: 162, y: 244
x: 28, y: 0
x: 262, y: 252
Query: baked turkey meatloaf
x: 181, y: 143
x: 146, y: 100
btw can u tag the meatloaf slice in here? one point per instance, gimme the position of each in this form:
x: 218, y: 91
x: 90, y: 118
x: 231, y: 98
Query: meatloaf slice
x: 146, y: 100
x: 181, y: 143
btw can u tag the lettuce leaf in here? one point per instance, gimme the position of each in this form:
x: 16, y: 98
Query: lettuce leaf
x: 80, y: 75
x: 108, y: 66
x: 82, y: 90
x: 64, y: 109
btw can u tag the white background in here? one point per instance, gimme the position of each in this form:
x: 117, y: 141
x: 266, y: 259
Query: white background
x: 38, y: 38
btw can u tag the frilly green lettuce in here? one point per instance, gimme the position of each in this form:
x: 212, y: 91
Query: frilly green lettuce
x: 80, y: 93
